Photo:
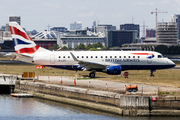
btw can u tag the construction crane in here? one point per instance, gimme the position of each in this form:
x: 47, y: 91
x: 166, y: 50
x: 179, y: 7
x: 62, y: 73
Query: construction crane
x: 96, y: 18
x: 156, y: 12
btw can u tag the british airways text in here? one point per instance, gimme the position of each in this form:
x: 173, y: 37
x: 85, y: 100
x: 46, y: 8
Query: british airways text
x: 122, y: 60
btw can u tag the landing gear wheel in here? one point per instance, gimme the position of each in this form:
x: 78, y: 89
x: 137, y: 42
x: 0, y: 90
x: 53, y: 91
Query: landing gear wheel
x: 92, y: 75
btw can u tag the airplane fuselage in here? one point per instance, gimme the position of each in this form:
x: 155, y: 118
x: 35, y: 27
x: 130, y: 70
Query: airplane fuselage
x: 135, y: 60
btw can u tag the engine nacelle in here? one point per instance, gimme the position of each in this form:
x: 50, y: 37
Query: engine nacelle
x: 114, y: 70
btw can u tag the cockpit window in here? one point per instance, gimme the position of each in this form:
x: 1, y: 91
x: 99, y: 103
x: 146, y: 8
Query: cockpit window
x: 159, y: 56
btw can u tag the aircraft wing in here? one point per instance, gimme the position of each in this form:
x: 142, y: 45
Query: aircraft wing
x: 87, y: 64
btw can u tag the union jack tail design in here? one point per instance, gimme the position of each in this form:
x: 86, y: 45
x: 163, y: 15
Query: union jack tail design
x: 22, y: 42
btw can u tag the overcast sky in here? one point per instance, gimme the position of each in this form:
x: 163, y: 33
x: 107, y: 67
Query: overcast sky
x: 37, y: 14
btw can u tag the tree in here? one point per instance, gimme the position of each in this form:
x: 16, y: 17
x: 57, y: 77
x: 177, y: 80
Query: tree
x: 93, y: 49
x: 89, y: 46
x: 70, y: 48
x: 55, y: 47
x: 81, y: 46
x: 64, y: 48
x: 162, y: 49
x: 98, y: 45
x: 105, y: 48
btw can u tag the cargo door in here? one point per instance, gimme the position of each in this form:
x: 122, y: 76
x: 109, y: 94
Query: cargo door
x: 52, y: 59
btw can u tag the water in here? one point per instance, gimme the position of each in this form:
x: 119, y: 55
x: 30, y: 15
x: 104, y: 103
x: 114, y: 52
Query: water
x: 12, y: 108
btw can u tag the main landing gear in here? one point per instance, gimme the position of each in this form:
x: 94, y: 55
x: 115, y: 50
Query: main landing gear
x: 152, y: 75
x: 92, y: 74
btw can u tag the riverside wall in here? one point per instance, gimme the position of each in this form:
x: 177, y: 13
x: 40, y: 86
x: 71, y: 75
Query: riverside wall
x: 126, y: 105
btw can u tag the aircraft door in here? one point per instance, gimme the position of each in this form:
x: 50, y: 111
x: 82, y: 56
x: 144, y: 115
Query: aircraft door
x: 52, y: 59
x: 149, y: 60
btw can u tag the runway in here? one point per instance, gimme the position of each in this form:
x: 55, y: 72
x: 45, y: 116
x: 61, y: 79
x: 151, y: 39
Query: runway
x: 101, y: 84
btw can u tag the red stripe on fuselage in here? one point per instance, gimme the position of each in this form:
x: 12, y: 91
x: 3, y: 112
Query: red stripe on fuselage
x: 28, y: 50
x: 141, y: 53
x: 16, y: 31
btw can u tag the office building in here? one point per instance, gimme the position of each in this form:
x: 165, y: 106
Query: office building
x: 119, y: 37
x: 15, y: 19
x: 59, y: 29
x: 3, y: 28
x: 103, y: 28
x: 167, y: 32
x: 76, y: 26
x: 130, y: 27
x: 150, y: 33
x: 176, y: 18
x: 75, y: 37
x: 93, y: 26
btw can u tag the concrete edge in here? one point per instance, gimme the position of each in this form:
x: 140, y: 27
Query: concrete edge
x: 167, y: 113
x: 100, y: 107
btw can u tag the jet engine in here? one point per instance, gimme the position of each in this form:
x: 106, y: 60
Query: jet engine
x: 113, y: 70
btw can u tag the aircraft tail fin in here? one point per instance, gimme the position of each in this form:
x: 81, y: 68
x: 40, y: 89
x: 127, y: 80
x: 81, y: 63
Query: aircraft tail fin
x: 22, y: 42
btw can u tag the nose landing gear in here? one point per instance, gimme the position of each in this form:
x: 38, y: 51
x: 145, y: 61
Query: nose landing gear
x: 151, y: 74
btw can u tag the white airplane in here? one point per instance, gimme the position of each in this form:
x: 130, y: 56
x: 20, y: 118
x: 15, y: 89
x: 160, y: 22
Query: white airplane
x: 110, y: 62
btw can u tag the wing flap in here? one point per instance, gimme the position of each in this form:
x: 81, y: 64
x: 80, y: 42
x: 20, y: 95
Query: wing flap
x: 87, y: 64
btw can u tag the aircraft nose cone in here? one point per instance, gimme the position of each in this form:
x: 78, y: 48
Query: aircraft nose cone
x: 171, y: 63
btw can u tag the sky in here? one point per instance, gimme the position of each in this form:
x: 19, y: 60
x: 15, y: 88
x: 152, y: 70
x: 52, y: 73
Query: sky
x: 38, y: 14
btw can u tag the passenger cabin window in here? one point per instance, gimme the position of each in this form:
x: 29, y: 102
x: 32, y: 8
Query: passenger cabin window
x: 86, y: 56
x: 114, y: 56
x: 64, y: 57
x: 106, y: 56
x: 129, y: 57
x: 101, y: 56
x: 91, y: 56
x: 59, y: 56
x: 119, y: 56
x: 96, y: 56
x: 82, y: 56
x: 133, y: 56
x: 110, y: 56
x: 138, y: 56
x: 77, y: 56
x: 159, y: 56
x: 124, y: 56
x: 68, y: 56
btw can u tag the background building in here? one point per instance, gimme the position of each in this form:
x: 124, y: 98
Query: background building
x: 130, y: 27
x: 167, y: 32
x: 3, y: 28
x: 75, y: 37
x: 45, y: 43
x: 5, y: 33
x: 150, y: 33
x: 176, y: 18
x: 103, y: 28
x: 59, y: 29
x: 118, y: 37
x: 76, y: 26
x: 15, y: 19
x: 31, y: 33
x: 93, y: 26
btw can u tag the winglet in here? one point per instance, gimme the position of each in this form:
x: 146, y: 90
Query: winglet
x: 75, y: 59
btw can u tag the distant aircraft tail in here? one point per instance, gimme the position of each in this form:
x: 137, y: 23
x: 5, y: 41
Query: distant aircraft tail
x: 22, y: 42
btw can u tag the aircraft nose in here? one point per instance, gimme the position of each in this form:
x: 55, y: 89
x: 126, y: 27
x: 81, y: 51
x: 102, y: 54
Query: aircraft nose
x: 171, y: 63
